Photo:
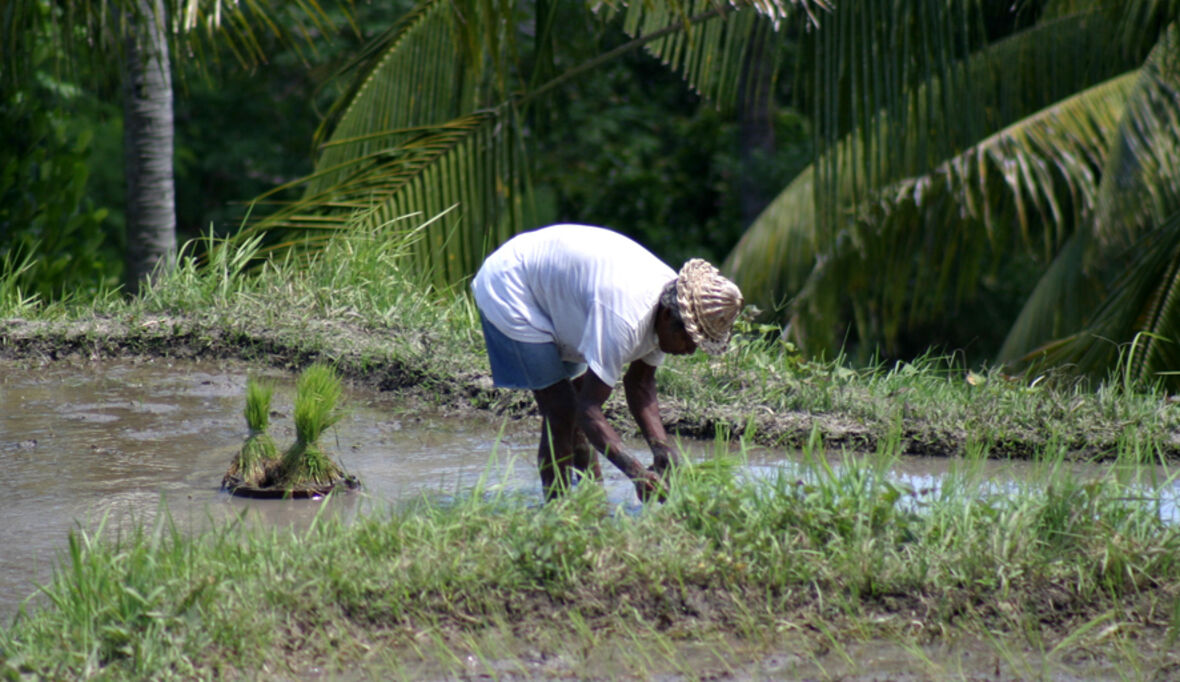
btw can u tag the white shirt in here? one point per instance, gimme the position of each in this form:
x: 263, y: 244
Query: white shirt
x: 590, y: 290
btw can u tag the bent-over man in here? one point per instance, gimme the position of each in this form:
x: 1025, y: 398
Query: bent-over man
x: 566, y: 309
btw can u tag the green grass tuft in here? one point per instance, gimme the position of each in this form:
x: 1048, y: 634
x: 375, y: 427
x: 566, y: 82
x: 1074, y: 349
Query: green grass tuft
x: 317, y: 391
x: 815, y: 560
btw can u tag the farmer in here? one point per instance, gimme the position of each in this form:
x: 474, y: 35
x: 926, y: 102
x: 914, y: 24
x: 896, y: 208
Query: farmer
x: 565, y: 309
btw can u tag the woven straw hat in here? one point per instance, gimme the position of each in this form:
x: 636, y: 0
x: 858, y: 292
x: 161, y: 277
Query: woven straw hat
x: 709, y: 304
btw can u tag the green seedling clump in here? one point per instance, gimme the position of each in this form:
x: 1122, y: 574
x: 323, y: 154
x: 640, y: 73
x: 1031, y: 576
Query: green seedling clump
x: 317, y: 392
x: 259, y: 456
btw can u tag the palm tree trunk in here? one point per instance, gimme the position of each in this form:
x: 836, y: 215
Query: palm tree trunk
x: 147, y: 145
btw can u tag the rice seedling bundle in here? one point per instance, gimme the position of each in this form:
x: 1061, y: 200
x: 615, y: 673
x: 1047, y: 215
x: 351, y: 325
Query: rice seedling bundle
x: 316, y: 393
x: 259, y: 455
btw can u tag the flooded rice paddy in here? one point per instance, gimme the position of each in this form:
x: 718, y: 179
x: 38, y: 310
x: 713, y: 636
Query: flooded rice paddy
x: 87, y: 441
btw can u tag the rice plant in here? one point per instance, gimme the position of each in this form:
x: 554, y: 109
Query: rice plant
x: 317, y: 391
x: 259, y: 455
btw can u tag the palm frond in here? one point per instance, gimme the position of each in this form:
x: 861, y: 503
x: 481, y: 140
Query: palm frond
x: 715, y: 41
x: 907, y: 85
x: 872, y: 66
x: 1132, y: 250
x: 478, y: 170
x: 423, y: 129
x: 775, y: 255
x: 1010, y: 179
x: 1140, y: 23
x: 404, y: 139
x: 417, y: 74
x: 926, y: 240
x: 471, y: 162
x: 1141, y: 181
x: 1137, y: 324
x: 1015, y: 77
x: 91, y: 34
x: 1011, y: 91
x: 1060, y: 304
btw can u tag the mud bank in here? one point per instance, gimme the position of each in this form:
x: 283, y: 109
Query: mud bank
x: 405, y: 361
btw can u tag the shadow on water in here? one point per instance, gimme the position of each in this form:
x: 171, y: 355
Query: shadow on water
x: 114, y: 439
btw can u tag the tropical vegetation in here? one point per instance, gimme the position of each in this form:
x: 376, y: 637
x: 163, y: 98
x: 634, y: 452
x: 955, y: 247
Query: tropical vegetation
x: 122, y: 50
x: 1018, y: 161
x: 994, y: 179
x: 984, y: 176
x: 1051, y: 145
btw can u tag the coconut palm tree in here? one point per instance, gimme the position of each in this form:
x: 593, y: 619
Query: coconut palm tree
x: 132, y: 41
x: 147, y: 144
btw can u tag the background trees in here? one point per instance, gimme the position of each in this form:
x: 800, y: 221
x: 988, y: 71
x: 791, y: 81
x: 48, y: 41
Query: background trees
x: 1014, y: 185
x: 982, y: 176
x: 61, y: 54
x: 451, y: 107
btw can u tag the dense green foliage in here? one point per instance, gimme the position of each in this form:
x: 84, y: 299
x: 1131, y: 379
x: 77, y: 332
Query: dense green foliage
x: 987, y: 202
x: 242, y: 131
x: 994, y: 195
x: 246, y: 81
x: 655, y: 161
x: 51, y: 229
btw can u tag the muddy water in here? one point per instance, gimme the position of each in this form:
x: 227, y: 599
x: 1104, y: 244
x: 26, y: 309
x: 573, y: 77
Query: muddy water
x: 112, y: 439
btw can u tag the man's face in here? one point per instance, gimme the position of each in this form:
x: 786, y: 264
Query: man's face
x: 674, y: 338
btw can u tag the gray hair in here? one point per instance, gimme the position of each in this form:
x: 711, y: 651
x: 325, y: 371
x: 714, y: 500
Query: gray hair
x: 669, y: 300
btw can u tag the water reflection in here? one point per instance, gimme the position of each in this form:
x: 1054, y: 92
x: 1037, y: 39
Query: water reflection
x: 924, y: 480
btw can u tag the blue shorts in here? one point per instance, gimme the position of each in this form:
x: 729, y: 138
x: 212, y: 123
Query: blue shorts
x: 516, y: 364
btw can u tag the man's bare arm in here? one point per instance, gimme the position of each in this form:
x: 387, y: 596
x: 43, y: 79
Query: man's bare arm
x: 592, y: 394
x: 639, y: 383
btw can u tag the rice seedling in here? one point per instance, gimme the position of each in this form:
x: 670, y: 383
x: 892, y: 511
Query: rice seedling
x: 258, y: 456
x: 317, y: 391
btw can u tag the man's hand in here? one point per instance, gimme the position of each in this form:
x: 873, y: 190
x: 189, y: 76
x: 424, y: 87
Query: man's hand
x: 664, y: 456
x: 649, y: 486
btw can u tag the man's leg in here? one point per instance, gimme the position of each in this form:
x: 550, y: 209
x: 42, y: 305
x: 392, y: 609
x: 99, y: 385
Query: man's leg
x: 585, y: 457
x: 555, y: 455
x: 517, y: 364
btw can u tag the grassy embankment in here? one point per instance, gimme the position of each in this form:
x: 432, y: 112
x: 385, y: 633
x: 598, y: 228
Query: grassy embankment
x: 356, y: 307
x: 1057, y: 565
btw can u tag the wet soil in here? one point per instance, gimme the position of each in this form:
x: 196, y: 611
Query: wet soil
x: 86, y: 442
x: 367, y: 358
x: 403, y: 362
